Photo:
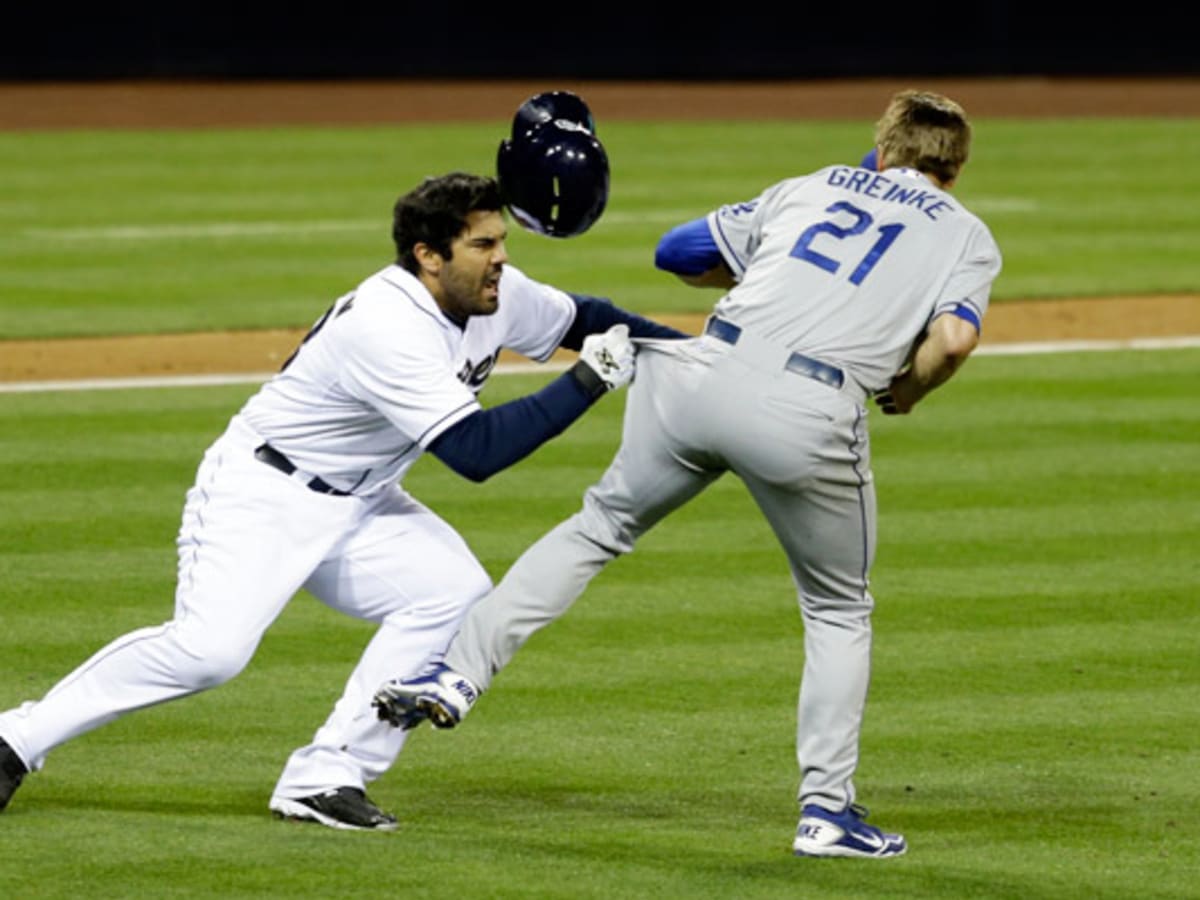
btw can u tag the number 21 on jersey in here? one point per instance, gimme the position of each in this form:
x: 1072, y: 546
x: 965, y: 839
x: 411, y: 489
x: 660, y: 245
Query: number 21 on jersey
x: 803, y: 248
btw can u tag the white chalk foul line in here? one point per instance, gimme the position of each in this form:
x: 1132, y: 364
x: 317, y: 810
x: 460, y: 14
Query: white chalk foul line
x: 147, y: 381
x: 521, y: 368
x: 1017, y: 348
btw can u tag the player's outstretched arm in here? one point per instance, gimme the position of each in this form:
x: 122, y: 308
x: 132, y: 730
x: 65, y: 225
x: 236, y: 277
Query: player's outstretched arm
x: 945, y: 348
x: 596, y: 314
x: 491, y: 440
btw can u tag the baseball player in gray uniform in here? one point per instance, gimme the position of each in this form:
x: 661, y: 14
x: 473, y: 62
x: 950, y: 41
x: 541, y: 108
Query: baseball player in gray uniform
x: 845, y: 284
x: 303, y: 490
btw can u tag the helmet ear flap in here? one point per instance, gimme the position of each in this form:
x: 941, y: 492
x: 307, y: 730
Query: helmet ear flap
x: 516, y: 188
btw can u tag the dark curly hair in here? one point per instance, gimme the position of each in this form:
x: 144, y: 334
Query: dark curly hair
x: 435, y: 212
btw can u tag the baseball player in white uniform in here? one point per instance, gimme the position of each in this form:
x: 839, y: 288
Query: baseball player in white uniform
x: 303, y: 490
x: 846, y: 283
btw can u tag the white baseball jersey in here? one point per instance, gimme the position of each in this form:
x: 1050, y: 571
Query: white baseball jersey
x: 379, y: 377
x: 385, y: 372
x: 874, y: 256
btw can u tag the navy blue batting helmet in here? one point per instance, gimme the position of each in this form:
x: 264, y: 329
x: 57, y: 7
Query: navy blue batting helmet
x: 554, y: 177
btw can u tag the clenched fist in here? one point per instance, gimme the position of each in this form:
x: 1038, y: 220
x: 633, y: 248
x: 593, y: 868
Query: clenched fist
x: 606, y: 361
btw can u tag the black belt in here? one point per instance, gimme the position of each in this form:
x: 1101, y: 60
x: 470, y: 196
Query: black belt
x: 726, y: 331
x: 276, y: 460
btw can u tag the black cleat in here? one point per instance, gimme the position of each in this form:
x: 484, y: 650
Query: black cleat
x: 12, y: 772
x: 344, y: 807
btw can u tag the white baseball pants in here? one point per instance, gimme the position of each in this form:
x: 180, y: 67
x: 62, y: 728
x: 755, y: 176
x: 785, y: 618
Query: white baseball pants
x: 251, y: 537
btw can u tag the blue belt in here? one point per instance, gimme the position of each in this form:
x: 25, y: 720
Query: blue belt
x: 276, y: 460
x: 726, y: 331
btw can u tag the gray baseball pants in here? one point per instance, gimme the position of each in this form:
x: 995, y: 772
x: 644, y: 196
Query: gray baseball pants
x: 698, y: 408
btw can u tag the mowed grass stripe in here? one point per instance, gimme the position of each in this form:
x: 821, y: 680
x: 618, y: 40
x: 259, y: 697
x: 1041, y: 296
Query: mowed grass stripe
x: 1033, y: 706
x: 127, y: 232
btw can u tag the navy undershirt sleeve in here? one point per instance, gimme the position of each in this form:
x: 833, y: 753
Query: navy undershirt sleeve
x: 688, y: 249
x: 490, y: 440
x: 594, y: 315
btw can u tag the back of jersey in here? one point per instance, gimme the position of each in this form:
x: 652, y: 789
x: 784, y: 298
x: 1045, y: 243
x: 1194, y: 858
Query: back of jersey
x: 849, y: 265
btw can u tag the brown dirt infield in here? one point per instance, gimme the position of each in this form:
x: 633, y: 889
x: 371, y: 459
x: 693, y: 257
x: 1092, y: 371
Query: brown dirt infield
x: 205, y: 104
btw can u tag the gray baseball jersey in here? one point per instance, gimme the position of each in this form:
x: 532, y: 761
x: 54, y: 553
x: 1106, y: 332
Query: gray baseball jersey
x: 850, y: 265
x: 840, y: 272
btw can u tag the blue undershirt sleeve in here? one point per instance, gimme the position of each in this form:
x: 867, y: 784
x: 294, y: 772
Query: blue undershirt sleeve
x: 688, y: 249
x: 594, y: 315
x: 490, y: 440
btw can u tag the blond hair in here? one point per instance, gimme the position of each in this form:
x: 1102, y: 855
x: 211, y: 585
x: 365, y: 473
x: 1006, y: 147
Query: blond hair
x: 924, y: 131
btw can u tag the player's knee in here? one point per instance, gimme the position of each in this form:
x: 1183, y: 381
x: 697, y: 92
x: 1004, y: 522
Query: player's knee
x: 849, y: 609
x: 469, y: 584
x: 206, y: 662
x: 606, y: 526
x: 217, y: 668
x: 477, y: 582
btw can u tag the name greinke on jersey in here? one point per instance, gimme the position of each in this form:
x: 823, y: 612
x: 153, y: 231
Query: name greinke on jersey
x: 879, y: 186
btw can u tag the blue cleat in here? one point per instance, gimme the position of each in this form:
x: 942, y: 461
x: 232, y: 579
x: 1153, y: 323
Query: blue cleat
x: 438, y: 694
x: 845, y: 834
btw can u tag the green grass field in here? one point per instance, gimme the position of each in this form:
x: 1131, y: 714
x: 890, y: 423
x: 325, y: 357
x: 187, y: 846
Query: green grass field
x: 140, y: 232
x: 1036, y: 695
x: 1035, y: 699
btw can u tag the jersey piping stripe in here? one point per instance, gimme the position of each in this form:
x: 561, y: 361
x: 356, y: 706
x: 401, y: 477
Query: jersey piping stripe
x: 194, y: 534
x: 194, y: 538
x: 435, y: 426
x: 354, y: 487
x: 727, y: 250
x: 417, y: 303
x: 862, y: 503
x: 134, y: 637
x: 399, y: 456
x: 444, y: 324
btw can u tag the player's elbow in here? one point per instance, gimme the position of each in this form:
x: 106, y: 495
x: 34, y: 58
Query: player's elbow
x: 469, y: 468
x: 477, y: 475
x: 960, y: 348
x: 956, y: 338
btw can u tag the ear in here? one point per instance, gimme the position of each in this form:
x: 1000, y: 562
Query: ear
x: 428, y: 259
